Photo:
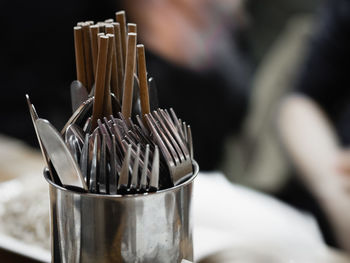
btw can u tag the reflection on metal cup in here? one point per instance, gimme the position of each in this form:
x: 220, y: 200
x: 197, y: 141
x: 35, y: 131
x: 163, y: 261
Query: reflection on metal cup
x: 150, y: 227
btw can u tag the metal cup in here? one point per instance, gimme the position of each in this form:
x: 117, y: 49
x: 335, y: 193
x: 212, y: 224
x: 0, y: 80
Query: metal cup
x: 151, y: 227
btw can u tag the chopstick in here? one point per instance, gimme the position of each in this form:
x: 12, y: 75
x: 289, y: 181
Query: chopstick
x: 94, y: 30
x: 119, y: 56
x: 121, y: 19
x: 107, y: 103
x: 79, y: 55
x: 132, y: 28
x: 110, y: 20
x: 87, y: 56
x: 114, y: 74
x: 101, y: 26
x: 110, y: 61
x: 129, y: 76
x: 98, y: 108
x: 142, y: 74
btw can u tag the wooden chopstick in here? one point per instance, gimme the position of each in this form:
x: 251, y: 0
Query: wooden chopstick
x: 142, y: 74
x: 114, y: 75
x: 110, y: 61
x: 79, y: 55
x: 132, y: 28
x: 107, y: 103
x: 120, y: 61
x: 94, y: 30
x: 121, y: 19
x: 97, y: 111
x: 129, y: 76
x: 101, y: 26
x: 88, y: 57
x: 110, y: 20
x: 98, y: 35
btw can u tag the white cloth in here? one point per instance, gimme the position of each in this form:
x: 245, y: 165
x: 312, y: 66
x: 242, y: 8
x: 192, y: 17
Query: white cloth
x: 228, y: 215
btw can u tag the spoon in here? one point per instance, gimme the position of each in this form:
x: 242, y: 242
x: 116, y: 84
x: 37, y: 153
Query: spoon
x: 79, y: 94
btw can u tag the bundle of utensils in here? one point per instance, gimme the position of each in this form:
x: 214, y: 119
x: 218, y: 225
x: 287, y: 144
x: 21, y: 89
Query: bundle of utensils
x: 117, y: 141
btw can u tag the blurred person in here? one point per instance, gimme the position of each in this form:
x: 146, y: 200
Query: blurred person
x: 199, y: 68
x: 314, y: 123
x: 269, y: 19
x: 193, y: 55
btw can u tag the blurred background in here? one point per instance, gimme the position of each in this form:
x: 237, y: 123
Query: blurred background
x: 262, y: 83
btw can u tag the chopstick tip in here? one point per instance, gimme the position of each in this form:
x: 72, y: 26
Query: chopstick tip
x: 121, y: 12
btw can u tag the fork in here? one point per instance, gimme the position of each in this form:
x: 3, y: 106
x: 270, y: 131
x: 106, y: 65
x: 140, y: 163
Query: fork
x: 134, y: 174
x: 115, y: 157
x: 183, y: 129
x: 168, y: 138
x: 136, y: 177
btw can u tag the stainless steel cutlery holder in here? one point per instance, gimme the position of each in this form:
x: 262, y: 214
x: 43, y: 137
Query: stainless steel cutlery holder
x: 150, y: 227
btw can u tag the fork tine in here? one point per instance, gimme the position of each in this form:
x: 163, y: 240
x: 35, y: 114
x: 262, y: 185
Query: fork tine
x: 120, y: 147
x: 158, y: 139
x: 143, y: 183
x: 131, y: 123
x: 179, y: 135
x: 129, y: 140
x: 135, y: 169
x: 134, y: 144
x: 123, y: 119
x: 113, y: 172
x: 176, y: 121
x: 103, y: 184
x: 141, y: 124
x: 154, y: 181
x: 169, y: 136
x: 84, y: 163
x: 119, y: 136
x: 95, y: 157
x: 111, y: 132
x: 185, y: 131
x: 104, y: 131
x: 108, y: 125
x: 133, y: 136
x: 144, y: 138
x: 174, y: 124
x: 123, y: 128
x: 190, y: 141
x: 166, y: 141
x: 87, y: 125
x: 124, y: 173
x: 184, y: 150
